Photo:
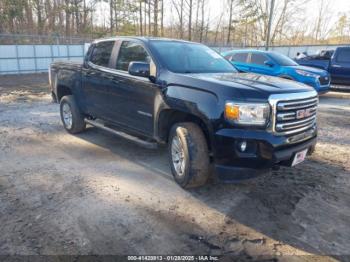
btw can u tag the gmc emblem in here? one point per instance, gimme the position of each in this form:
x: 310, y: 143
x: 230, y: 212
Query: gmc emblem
x: 304, y: 113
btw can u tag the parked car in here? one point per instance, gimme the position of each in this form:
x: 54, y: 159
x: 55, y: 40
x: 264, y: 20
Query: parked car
x: 276, y: 64
x: 336, y: 63
x: 157, y: 91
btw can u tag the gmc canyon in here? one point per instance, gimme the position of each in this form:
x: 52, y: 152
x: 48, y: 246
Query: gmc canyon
x: 156, y: 91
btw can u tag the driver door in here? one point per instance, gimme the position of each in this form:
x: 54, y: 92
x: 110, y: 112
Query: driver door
x: 133, y: 96
x: 258, y: 66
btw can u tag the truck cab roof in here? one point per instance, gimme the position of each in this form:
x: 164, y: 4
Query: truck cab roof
x: 140, y: 38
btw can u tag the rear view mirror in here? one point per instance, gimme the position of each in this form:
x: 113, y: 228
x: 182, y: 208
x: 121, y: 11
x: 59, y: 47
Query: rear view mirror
x: 269, y: 63
x: 139, y: 69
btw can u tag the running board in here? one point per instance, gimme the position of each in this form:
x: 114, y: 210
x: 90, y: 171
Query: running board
x: 139, y: 141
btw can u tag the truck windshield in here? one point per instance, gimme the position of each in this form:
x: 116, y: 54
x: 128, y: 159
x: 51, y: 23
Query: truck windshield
x: 282, y: 59
x: 183, y: 57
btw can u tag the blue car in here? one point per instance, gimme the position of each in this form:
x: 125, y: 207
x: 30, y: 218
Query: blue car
x: 276, y: 64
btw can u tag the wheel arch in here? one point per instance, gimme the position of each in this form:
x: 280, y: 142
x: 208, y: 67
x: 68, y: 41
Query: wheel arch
x: 169, y: 117
x: 63, y: 90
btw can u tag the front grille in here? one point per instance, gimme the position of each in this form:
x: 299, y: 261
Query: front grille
x: 324, y: 80
x: 295, y: 116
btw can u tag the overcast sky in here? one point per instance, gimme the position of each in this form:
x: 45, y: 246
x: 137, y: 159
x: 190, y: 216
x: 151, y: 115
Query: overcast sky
x: 337, y: 7
x: 216, y: 6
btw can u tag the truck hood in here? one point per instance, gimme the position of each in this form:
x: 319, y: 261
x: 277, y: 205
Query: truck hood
x: 250, y: 85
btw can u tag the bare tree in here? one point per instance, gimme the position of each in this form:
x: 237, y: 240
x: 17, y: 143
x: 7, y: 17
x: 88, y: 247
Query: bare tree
x: 155, y: 17
x: 322, y: 21
x: 162, y: 19
x: 140, y: 16
x: 230, y: 2
x: 179, y: 8
x: 149, y: 18
x: 243, y: 21
x: 190, y: 10
x: 67, y: 13
x: 203, y: 2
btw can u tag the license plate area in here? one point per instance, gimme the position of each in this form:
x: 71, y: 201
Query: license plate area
x: 299, y: 157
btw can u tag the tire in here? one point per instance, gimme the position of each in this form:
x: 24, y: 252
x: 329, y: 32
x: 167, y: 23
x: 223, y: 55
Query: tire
x: 195, y: 170
x: 68, y: 107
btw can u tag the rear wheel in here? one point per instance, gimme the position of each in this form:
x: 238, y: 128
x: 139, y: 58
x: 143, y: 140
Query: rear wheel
x: 72, y: 118
x: 188, y: 155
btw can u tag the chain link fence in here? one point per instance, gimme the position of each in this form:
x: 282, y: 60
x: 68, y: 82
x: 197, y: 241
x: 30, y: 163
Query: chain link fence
x: 53, y: 39
x: 20, y: 54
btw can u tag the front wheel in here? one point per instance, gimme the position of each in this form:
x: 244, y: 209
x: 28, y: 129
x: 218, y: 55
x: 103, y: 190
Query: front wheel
x: 188, y: 155
x: 72, y: 118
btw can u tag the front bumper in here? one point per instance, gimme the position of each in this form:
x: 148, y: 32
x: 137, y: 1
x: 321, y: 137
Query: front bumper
x: 264, y: 151
x: 321, y: 88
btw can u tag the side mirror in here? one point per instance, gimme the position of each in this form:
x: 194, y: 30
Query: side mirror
x: 269, y: 63
x: 139, y: 69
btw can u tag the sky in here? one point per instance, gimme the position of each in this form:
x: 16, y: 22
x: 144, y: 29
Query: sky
x: 216, y: 6
x: 337, y: 6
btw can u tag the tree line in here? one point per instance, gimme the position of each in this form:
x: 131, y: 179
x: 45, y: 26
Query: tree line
x: 233, y: 22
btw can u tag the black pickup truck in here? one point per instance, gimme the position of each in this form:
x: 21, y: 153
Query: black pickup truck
x: 156, y: 91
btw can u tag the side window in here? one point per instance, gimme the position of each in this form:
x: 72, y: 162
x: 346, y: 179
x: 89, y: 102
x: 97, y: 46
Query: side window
x: 343, y: 56
x: 258, y: 59
x: 228, y: 57
x: 240, y: 57
x: 131, y: 52
x: 101, y: 53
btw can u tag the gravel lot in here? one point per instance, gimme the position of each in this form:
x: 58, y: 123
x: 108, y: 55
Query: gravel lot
x: 98, y: 194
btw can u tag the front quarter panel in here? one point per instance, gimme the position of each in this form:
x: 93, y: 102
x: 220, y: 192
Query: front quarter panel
x: 194, y: 101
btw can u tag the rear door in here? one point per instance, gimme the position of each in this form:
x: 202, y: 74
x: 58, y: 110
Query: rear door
x: 96, y: 79
x: 340, y: 65
x: 257, y: 64
x: 240, y: 60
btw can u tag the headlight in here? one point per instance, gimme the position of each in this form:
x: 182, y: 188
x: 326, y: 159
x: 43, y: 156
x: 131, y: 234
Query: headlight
x: 247, y: 113
x: 305, y: 73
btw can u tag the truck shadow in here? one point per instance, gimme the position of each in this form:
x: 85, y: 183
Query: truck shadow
x: 302, y: 207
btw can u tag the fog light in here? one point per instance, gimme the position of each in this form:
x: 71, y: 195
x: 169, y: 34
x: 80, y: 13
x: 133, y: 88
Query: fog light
x: 243, y: 146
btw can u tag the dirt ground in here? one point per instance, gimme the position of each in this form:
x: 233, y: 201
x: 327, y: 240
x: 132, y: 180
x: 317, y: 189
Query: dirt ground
x: 97, y: 194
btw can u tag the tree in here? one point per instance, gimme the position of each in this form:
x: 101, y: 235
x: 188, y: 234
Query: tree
x: 111, y: 8
x: 67, y: 13
x: 162, y: 19
x: 140, y: 16
x: 322, y: 20
x: 203, y: 2
x: 243, y: 21
x: 190, y: 10
x: 230, y: 21
x: 341, y: 30
x: 179, y: 8
x: 155, y: 17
